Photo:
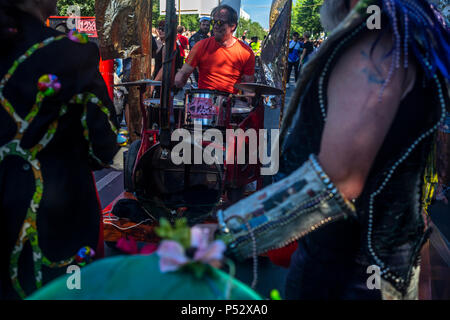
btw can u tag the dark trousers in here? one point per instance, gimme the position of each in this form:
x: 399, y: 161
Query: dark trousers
x: 295, y: 66
x: 318, y: 273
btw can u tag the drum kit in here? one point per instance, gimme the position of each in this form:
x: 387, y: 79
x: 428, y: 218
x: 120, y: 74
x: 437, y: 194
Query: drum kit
x: 195, y: 190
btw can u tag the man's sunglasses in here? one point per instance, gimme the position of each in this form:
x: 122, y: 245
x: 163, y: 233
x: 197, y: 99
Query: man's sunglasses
x: 218, y: 22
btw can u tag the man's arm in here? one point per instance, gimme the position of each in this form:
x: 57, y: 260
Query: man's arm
x: 182, y: 76
x: 303, y: 55
x: 357, y: 121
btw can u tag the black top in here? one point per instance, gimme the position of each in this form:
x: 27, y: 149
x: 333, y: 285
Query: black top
x: 68, y: 216
x: 308, y: 46
x: 198, y: 36
x: 159, y: 60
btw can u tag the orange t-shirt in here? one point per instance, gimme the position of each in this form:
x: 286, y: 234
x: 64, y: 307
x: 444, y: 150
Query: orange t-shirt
x: 221, y: 68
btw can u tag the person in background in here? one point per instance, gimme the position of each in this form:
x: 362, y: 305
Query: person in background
x: 255, y: 44
x: 308, y: 48
x: 57, y: 125
x: 202, y: 33
x: 182, y: 42
x: 295, y: 49
x: 245, y: 41
x: 159, y: 56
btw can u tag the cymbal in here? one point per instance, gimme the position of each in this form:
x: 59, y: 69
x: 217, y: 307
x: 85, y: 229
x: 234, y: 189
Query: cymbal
x: 259, y: 88
x: 139, y: 83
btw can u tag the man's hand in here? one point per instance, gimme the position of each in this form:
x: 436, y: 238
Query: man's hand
x: 248, y: 78
x: 182, y: 76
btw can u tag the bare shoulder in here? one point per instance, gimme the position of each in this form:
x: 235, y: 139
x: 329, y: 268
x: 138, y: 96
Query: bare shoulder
x: 363, y: 95
x: 372, y: 63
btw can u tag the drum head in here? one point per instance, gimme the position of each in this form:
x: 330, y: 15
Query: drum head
x: 162, y: 186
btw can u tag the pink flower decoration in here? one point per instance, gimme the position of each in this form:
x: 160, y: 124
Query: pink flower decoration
x: 212, y: 253
x: 172, y: 254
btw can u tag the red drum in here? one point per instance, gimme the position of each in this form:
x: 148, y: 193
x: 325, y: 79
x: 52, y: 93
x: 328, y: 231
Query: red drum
x: 240, y: 111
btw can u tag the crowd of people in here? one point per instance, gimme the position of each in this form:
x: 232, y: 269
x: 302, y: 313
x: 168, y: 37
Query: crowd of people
x: 300, y: 50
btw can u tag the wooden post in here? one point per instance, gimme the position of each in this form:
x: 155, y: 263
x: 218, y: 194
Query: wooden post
x: 141, y: 66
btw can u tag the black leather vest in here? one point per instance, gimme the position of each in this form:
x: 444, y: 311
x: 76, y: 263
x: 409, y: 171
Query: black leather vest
x: 390, y: 229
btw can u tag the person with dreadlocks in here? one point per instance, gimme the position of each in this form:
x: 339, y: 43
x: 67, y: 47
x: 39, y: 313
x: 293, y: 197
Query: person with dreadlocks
x: 355, y: 142
x: 57, y: 124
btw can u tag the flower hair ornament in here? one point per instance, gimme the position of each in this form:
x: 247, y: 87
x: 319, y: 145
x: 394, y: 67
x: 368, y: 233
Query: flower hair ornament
x: 48, y: 85
x: 193, y: 249
x: 78, y: 37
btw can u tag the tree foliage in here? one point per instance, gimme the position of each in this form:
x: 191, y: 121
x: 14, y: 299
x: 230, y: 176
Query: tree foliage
x: 306, y: 17
x: 189, y: 21
x: 251, y: 29
x: 87, y: 7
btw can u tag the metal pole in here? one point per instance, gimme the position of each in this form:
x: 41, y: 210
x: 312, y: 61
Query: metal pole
x: 168, y: 74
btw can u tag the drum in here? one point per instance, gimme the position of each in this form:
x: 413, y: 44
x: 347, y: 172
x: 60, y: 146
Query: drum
x: 163, y: 186
x: 208, y: 107
x: 153, y: 108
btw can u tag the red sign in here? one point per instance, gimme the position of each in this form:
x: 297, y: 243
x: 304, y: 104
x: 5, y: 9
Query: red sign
x: 87, y: 25
x: 84, y: 24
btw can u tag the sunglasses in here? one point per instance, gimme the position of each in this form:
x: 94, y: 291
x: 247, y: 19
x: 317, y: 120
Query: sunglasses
x: 161, y: 28
x: 218, y: 22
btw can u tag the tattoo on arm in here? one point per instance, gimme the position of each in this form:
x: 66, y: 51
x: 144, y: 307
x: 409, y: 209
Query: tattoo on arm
x: 373, y: 76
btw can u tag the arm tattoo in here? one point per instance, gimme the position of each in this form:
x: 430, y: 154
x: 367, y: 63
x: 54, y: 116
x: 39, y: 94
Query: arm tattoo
x: 373, y: 76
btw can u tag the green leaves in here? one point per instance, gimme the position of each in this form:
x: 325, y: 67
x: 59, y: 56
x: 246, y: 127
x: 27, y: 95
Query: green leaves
x: 253, y: 29
x: 306, y: 17
x: 180, y: 233
x: 87, y: 7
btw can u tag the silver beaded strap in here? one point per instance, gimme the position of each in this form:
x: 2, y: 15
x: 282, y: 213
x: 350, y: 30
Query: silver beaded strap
x: 285, y: 211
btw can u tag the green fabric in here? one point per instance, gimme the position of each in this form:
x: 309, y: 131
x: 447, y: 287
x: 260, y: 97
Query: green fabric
x: 138, y: 278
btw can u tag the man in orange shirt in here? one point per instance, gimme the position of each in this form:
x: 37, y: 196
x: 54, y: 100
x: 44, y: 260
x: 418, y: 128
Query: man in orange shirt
x: 222, y: 60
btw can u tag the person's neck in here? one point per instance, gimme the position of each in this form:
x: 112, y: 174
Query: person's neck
x: 228, y: 42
